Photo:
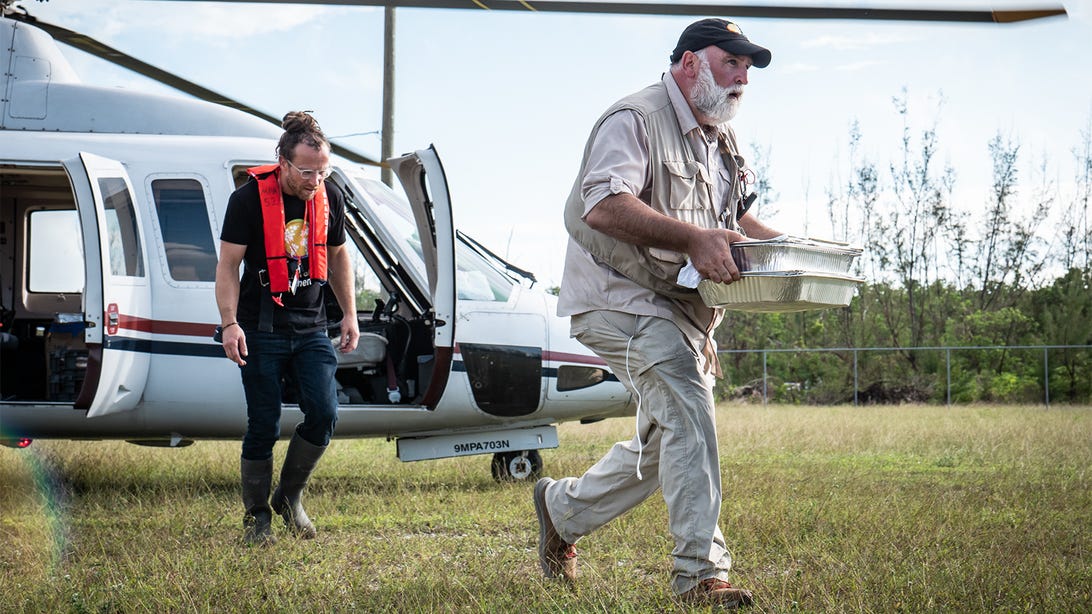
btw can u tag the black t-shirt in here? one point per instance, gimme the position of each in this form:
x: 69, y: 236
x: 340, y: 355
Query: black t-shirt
x: 305, y: 310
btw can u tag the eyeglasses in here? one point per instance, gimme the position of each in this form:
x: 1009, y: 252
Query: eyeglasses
x: 308, y: 174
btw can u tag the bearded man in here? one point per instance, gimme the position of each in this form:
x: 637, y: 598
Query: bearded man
x: 660, y: 184
x: 286, y: 227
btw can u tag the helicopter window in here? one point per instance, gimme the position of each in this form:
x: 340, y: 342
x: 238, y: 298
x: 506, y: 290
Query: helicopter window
x: 368, y: 288
x: 56, y: 252
x: 572, y: 377
x: 126, y: 255
x: 476, y: 279
x: 187, y: 237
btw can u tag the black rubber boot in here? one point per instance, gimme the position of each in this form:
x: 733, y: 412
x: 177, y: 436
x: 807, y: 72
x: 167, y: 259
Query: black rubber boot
x: 299, y: 462
x: 257, y: 479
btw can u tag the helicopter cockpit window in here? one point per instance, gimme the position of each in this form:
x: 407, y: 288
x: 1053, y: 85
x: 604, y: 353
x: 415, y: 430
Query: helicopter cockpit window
x: 396, y: 217
x: 184, y: 224
x: 126, y: 254
x: 476, y: 279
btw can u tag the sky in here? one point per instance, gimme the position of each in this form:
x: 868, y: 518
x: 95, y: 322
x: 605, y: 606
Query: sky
x: 508, y: 98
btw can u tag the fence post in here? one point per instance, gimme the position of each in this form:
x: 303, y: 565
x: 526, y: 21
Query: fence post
x: 947, y: 360
x: 1046, y: 375
x: 948, y: 368
x: 765, y: 384
x: 856, y: 383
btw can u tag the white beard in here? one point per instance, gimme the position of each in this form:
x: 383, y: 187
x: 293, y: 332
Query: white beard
x: 711, y: 99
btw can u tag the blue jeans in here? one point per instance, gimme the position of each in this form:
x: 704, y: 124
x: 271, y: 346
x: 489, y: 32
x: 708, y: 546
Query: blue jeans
x: 310, y: 358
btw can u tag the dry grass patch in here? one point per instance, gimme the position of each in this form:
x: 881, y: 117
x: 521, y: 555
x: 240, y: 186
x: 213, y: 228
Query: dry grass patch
x: 827, y: 509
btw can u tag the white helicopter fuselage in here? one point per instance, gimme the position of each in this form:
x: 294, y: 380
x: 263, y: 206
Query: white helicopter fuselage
x: 107, y: 327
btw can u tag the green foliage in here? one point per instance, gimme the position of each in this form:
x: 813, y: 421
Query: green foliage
x: 1009, y: 387
x: 365, y: 298
x: 988, y: 327
x: 938, y: 277
x: 1057, y: 314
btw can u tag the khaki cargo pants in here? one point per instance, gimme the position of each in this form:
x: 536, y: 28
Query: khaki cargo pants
x: 679, y: 452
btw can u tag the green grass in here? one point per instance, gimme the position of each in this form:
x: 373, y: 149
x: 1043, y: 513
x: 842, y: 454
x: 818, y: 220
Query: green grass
x: 969, y: 509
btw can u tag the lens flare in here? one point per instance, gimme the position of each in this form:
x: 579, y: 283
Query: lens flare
x: 48, y: 485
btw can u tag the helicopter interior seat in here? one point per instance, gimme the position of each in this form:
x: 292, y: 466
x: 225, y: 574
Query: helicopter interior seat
x: 367, y: 373
x: 370, y: 352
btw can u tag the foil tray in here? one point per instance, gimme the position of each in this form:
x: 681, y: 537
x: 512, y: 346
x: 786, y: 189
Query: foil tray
x: 794, y: 254
x: 781, y: 291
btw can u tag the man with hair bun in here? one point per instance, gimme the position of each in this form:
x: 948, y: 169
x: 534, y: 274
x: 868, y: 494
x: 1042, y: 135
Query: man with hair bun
x: 286, y: 226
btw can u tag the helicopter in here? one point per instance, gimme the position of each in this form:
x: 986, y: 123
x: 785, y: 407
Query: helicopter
x: 110, y: 207
x: 111, y: 201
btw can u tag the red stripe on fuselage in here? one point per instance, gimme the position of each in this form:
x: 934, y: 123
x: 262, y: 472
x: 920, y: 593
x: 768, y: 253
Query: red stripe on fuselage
x: 578, y: 358
x: 165, y: 327
x: 197, y: 329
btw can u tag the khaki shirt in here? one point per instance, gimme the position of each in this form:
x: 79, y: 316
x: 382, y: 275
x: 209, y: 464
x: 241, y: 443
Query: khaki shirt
x: 619, y: 162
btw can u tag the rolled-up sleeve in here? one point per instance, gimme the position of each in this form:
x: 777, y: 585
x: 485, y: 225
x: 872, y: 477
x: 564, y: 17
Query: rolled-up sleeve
x: 618, y: 160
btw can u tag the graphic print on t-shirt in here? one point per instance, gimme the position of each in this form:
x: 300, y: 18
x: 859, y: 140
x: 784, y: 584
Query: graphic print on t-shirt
x: 295, y: 246
x: 295, y: 239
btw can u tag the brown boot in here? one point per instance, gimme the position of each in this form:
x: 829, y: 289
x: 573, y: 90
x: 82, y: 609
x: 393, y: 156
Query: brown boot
x: 555, y: 555
x: 717, y: 593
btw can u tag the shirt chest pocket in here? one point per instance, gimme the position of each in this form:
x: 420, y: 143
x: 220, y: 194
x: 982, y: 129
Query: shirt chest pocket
x: 732, y: 190
x: 691, y: 186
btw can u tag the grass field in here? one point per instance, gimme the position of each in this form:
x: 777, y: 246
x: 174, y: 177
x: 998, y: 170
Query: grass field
x: 828, y: 509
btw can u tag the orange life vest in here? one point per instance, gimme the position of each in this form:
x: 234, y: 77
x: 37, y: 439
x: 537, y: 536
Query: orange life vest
x: 316, y: 216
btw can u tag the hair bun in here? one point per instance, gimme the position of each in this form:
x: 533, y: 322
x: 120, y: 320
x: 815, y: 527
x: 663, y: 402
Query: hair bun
x: 299, y: 127
x: 300, y: 121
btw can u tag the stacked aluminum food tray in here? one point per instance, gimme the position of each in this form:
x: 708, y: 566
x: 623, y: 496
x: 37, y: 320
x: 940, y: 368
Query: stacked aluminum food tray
x: 785, y: 275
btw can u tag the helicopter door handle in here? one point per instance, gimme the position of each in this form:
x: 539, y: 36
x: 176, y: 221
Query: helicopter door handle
x: 113, y: 319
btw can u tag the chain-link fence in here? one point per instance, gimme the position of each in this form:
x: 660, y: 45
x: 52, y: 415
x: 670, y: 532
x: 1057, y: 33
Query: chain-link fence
x: 938, y: 374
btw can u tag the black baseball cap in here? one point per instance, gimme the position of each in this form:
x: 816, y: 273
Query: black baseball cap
x: 723, y: 34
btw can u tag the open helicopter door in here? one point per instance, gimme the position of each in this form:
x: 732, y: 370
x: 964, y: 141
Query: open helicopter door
x: 117, y: 296
x: 422, y: 177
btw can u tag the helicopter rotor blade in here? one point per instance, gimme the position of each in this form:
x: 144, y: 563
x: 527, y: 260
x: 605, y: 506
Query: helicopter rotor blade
x: 98, y: 49
x: 1011, y: 15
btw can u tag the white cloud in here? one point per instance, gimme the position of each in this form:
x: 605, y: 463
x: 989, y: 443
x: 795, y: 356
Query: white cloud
x: 848, y: 43
x: 799, y: 67
x: 206, y: 22
x: 215, y: 22
x: 855, y: 66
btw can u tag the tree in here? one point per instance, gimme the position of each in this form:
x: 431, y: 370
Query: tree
x: 1064, y: 311
x: 1007, y: 256
x: 1075, y: 231
x: 1004, y: 154
x: 765, y: 193
x: 908, y: 237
